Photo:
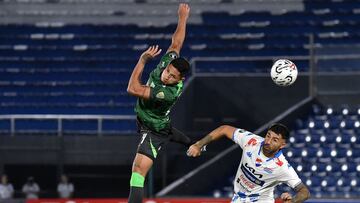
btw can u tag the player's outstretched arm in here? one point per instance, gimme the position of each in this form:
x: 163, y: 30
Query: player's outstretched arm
x: 135, y: 87
x: 179, y: 35
x: 302, y: 194
x: 222, y: 131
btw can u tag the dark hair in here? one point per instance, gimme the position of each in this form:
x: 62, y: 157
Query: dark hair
x: 281, y: 129
x: 182, y: 65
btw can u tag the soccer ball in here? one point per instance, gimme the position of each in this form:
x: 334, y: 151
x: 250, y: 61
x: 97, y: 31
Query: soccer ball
x: 284, y: 72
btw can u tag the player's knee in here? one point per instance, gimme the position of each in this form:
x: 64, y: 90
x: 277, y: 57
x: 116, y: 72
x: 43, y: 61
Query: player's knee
x: 142, y: 165
x: 139, y: 169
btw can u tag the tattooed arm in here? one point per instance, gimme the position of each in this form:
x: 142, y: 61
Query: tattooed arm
x: 224, y: 130
x: 302, y: 194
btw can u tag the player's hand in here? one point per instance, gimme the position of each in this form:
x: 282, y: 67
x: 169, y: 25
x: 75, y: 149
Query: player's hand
x: 184, y: 10
x: 194, y: 150
x: 286, y: 197
x: 150, y: 53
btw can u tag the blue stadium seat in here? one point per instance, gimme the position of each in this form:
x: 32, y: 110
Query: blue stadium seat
x: 36, y: 126
x: 96, y: 59
x: 329, y: 185
x: 314, y: 183
x: 333, y: 168
x: 118, y: 126
x: 294, y: 152
x: 5, y: 126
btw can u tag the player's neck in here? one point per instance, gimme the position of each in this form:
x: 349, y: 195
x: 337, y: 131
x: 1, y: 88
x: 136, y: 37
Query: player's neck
x: 268, y: 154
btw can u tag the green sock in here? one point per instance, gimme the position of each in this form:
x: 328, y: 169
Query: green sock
x: 136, y: 188
x: 137, y: 180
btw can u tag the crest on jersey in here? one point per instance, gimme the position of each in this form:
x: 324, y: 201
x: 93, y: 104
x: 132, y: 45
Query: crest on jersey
x: 160, y: 95
x: 258, y: 162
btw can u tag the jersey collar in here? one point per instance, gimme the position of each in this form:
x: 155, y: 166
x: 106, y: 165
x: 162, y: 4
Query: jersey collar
x: 269, y: 159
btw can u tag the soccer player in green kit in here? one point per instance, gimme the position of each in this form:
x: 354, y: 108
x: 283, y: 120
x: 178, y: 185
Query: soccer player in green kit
x: 155, y: 100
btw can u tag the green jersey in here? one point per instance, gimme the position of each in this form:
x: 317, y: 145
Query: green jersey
x: 154, y: 112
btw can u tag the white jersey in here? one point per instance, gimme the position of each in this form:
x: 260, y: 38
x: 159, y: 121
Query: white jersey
x: 6, y: 191
x: 65, y: 190
x: 257, y: 174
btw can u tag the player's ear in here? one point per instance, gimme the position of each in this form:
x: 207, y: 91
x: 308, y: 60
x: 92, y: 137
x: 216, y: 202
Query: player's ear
x: 183, y: 78
x: 283, y: 144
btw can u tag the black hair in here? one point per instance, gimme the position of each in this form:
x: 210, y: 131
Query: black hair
x: 182, y: 65
x: 281, y: 129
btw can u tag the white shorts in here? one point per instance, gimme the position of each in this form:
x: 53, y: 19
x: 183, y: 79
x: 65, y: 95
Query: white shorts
x: 246, y: 199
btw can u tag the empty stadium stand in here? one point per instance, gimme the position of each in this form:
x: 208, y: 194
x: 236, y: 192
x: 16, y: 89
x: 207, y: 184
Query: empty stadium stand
x: 51, y: 65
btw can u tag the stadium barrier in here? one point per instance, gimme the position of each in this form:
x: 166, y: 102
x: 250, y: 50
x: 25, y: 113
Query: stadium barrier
x: 157, y: 200
x: 176, y: 200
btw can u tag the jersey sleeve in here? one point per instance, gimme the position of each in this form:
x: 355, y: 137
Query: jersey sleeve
x: 244, y: 138
x: 160, y: 93
x: 290, y: 177
x: 166, y: 59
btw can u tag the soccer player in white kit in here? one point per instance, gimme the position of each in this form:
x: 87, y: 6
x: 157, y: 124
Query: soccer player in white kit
x: 262, y: 166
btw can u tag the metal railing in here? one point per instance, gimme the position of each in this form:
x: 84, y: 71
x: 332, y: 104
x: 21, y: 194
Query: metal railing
x: 60, y: 118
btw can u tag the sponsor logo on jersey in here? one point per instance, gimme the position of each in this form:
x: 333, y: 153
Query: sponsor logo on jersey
x: 160, y: 95
x: 245, y: 184
x: 258, y: 162
x: 252, y: 175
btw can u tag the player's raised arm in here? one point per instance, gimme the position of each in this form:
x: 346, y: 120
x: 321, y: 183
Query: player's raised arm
x: 302, y: 194
x: 179, y: 35
x: 135, y: 87
x: 222, y: 131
